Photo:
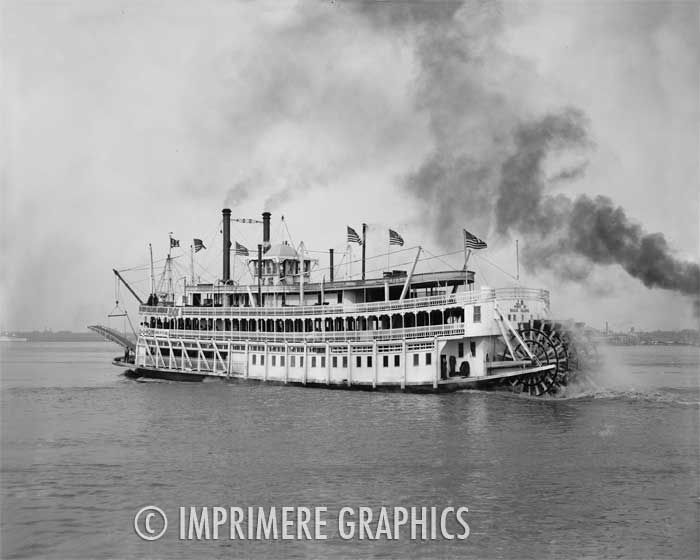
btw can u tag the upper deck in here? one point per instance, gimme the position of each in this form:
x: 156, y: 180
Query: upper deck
x: 460, y: 299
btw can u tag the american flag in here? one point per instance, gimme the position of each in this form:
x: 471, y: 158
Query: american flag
x: 198, y: 245
x: 241, y: 250
x: 353, y: 237
x: 471, y: 241
x: 174, y: 242
x: 395, y: 238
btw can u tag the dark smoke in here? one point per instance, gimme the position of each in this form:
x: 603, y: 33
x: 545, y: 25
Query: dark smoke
x: 489, y: 166
x: 595, y: 229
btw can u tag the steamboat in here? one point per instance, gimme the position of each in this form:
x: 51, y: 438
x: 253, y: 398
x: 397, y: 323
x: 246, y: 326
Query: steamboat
x: 403, y: 330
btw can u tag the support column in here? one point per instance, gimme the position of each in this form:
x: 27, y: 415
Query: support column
x: 436, y: 360
x: 349, y: 363
x: 405, y: 369
x: 286, y: 361
x: 328, y: 363
x: 267, y: 362
x: 375, y: 363
x: 247, y: 358
x: 306, y: 361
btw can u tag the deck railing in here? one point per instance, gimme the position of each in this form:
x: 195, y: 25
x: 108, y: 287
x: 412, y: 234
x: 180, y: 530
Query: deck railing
x: 410, y: 333
x: 460, y: 299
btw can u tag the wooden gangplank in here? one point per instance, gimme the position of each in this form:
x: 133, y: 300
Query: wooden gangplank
x: 115, y: 336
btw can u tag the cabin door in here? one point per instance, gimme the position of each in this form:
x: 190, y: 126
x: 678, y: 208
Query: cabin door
x: 443, y: 366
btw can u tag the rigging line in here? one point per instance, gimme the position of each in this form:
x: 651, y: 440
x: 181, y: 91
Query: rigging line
x: 141, y: 267
x: 494, y: 265
x: 441, y: 260
x: 291, y: 240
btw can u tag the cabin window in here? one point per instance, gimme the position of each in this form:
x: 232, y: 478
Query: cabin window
x: 262, y: 359
x: 255, y: 356
x: 282, y: 361
x: 428, y: 358
x: 335, y: 361
x: 358, y: 361
x: 313, y: 361
x: 477, y: 314
x: 415, y: 359
x: 323, y: 361
x: 460, y: 350
x: 301, y: 361
x: 369, y: 361
x: 340, y: 297
x: 472, y: 348
x: 293, y: 361
x: 345, y: 361
x: 397, y: 360
x: 385, y: 361
x: 274, y: 360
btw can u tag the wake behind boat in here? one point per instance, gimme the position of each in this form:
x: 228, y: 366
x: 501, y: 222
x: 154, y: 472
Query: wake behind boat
x: 406, y: 331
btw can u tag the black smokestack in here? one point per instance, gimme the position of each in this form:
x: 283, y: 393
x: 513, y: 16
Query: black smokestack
x: 226, y: 275
x: 331, y: 252
x: 260, y: 273
x: 266, y: 230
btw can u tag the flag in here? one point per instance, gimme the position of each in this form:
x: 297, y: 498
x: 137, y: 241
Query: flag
x: 198, y: 245
x: 395, y: 238
x: 174, y: 242
x: 353, y: 237
x: 241, y: 250
x: 471, y: 241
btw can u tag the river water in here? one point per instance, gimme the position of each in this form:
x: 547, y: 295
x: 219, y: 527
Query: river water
x: 611, y: 470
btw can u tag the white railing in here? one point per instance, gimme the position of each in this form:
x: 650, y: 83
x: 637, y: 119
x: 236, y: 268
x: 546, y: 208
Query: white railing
x: 460, y: 299
x: 430, y: 331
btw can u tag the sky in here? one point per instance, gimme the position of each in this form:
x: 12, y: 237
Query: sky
x: 124, y: 121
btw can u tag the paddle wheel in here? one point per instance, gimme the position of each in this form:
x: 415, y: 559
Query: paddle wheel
x: 543, y: 343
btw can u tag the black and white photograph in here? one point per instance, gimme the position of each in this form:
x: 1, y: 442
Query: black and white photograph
x: 350, y: 279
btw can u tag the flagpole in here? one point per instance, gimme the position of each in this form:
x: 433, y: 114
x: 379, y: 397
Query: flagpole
x: 388, y: 256
x: 517, y: 261
x: 192, y: 263
x: 348, y: 265
x: 364, y: 246
x: 467, y: 254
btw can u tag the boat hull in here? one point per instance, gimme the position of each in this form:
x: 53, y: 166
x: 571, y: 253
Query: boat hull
x: 449, y: 385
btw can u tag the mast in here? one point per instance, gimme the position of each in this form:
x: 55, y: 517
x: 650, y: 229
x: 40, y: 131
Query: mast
x: 169, y: 266
x: 517, y: 261
x: 301, y: 278
x: 364, y: 245
x: 153, y: 274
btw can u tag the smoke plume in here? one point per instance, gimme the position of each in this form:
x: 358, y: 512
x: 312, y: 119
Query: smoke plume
x: 591, y: 230
x: 495, y: 148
